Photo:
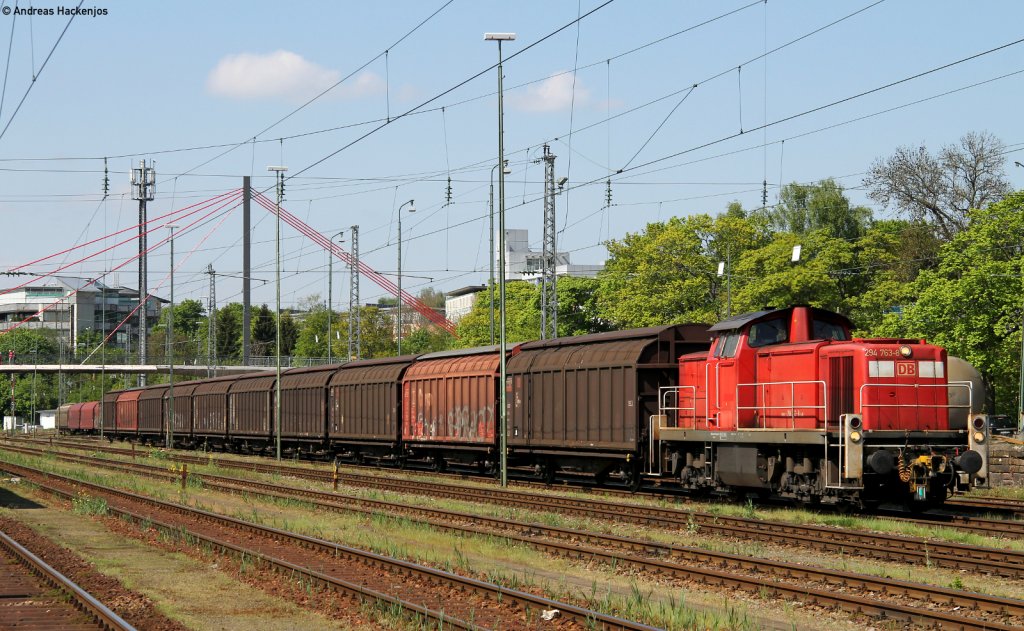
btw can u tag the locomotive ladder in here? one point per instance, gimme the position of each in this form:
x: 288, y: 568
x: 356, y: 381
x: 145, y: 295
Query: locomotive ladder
x: 837, y: 429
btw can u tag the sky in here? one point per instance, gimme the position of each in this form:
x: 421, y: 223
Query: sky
x: 786, y: 90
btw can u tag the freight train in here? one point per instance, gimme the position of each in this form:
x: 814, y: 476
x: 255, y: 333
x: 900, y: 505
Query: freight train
x: 776, y: 403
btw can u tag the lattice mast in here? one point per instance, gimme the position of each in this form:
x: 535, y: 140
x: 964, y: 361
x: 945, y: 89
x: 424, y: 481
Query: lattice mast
x: 549, y: 282
x: 211, y: 322
x: 355, y: 328
x: 143, y: 182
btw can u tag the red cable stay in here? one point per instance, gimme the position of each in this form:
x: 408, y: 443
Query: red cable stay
x: 378, y: 278
x: 222, y: 201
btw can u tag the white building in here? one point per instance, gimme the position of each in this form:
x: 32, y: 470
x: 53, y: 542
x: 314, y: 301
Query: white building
x: 459, y: 302
x: 72, y: 306
x: 523, y: 263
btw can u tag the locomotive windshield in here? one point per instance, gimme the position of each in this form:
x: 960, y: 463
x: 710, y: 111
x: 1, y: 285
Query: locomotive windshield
x: 769, y: 332
x: 726, y: 346
x: 829, y: 331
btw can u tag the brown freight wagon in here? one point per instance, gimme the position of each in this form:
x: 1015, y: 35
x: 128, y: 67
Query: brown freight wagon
x: 210, y: 408
x: 584, y: 403
x: 250, y: 409
x: 127, y: 418
x: 108, y: 420
x: 450, y: 405
x: 63, y: 417
x: 152, y: 402
x: 181, y: 428
x: 304, y: 404
x: 90, y: 416
x: 364, y: 407
x: 75, y: 417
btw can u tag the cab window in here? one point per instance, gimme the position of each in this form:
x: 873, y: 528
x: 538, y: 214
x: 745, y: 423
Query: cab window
x: 829, y: 331
x: 726, y: 346
x: 770, y: 332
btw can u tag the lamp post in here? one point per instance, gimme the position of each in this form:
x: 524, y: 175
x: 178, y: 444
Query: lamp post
x: 278, y: 172
x: 503, y: 413
x: 412, y: 208
x: 490, y: 290
x: 330, y: 293
x: 170, y: 350
x: 1020, y: 401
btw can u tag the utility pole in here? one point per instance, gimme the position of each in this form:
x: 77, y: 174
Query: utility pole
x: 549, y: 291
x: 354, y: 313
x: 211, y: 323
x: 246, y: 272
x: 330, y: 298
x: 143, y: 181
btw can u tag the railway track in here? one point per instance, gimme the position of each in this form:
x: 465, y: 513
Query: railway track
x: 357, y: 573
x: 888, y: 596
x: 1005, y: 528
x: 28, y: 599
x: 827, y: 538
x: 887, y: 547
x: 1015, y: 507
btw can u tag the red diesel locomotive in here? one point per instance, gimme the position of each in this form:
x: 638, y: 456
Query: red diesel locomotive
x: 779, y: 403
x: 786, y: 403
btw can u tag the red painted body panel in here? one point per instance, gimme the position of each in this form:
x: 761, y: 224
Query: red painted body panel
x: 801, y: 379
x: 90, y: 415
x: 451, y: 399
x: 128, y: 411
x: 75, y: 416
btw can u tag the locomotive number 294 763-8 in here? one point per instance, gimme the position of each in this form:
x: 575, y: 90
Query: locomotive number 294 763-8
x: 881, y: 352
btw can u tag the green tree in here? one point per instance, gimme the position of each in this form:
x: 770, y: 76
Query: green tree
x: 804, y: 208
x: 819, y: 279
x: 264, y: 331
x: 289, y: 333
x: 578, y: 310
x: 427, y: 339
x: 312, y: 333
x: 522, y: 317
x: 972, y: 303
x: 229, y: 331
x: 378, y: 333
x: 188, y: 315
x: 668, y: 273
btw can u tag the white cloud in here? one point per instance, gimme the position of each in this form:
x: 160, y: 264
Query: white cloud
x: 283, y: 74
x: 551, y: 95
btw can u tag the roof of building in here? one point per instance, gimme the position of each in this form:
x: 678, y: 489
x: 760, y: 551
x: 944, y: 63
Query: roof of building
x: 462, y: 291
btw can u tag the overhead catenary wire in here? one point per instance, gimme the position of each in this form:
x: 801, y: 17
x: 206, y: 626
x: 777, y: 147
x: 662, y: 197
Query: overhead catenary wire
x: 35, y: 75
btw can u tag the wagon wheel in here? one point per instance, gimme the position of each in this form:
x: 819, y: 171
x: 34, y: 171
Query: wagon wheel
x: 632, y: 477
x: 548, y: 472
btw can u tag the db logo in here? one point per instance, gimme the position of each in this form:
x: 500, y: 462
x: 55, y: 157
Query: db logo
x: 906, y: 369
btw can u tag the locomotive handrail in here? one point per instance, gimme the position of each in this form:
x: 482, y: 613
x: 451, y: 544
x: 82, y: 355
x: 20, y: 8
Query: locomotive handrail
x: 664, y: 392
x: 918, y: 386
x: 792, y: 407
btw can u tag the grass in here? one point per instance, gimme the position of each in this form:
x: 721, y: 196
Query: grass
x: 401, y: 537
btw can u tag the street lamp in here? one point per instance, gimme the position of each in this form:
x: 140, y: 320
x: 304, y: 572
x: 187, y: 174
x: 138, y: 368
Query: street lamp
x: 330, y: 293
x: 1020, y: 401
x: 169, y: 345
x: 503, y: 414
x: 278, y: 172
x: 412, y: 209
x: 505, y: 171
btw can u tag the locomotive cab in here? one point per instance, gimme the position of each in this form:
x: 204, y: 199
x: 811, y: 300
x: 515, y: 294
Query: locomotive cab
x: 787, y: 403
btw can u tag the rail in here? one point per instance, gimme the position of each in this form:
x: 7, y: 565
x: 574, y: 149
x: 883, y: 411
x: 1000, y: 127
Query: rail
x: 85, y: 601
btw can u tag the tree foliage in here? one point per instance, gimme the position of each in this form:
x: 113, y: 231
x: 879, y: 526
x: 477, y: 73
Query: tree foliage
x: 942, y: 188
x: 805, y: 208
